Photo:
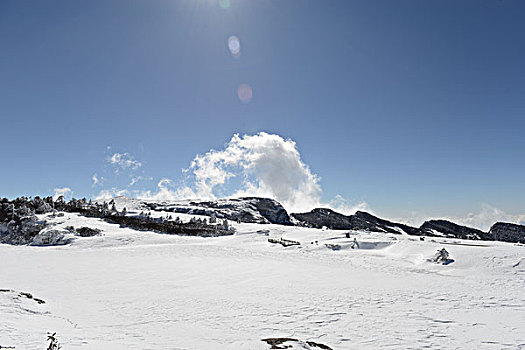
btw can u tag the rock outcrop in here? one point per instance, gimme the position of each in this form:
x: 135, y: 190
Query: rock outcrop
x: 506, y: 232
x: 320, y: 217
x: 87, y: 232
x: 270, y: 209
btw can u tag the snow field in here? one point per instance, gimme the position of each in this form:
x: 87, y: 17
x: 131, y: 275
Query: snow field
x: 144, y: 290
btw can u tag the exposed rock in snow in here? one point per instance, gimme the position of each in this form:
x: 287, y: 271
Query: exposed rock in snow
x: 320, y: 217
x: 270, y: 209
x: 283, y: 242
x: 292, y: 343
x: 17, y: 295
x: 506, y: 232
x: 87, y: 232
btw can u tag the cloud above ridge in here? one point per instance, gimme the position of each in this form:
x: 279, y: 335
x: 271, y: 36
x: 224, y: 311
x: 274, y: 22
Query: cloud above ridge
x: 123, y: 161
x: 264, y: 165
x: 488, y: 216
x: 269, y: 166
x: 482, y: 219
x: 65, y: 191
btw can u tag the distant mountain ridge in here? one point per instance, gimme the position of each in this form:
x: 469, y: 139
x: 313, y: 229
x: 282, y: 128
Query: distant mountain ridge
x: 323, y: 217
x: 447, y: 228
x: 19, y: 224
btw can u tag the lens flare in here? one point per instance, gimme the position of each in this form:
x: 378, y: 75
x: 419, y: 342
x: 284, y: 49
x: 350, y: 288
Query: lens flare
x: 244, y: 92
x: 225, y: 4
x: 234, y: 45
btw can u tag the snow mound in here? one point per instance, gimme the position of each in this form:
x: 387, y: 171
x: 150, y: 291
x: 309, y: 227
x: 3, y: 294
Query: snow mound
x: 50, y: 237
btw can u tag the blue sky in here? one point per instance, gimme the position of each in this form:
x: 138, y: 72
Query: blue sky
x: 409, y: 106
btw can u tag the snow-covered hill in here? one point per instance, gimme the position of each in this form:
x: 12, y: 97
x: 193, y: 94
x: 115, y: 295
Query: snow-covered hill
x: 246, y: 209
x: 127, y: 289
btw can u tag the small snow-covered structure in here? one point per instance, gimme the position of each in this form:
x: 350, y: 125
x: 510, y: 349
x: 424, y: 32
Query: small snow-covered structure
x: 442, y: 256
x: 333, y: 246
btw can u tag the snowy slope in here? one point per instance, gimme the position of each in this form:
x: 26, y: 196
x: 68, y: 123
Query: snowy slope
x: 142, y: 290
x: 246, y: 209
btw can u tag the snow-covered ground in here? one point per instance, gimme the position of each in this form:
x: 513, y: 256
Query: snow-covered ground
x: 143, y: 290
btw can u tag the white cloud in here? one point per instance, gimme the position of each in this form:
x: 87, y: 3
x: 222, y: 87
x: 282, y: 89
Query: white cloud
x: 164, y: 192
x: 265, y: 165
x: 164, y: 183
x: 341, y: 205
x: 62, y: 192
x: 136, y: 179
x: 482, y: 219
x: 95, y: 179
x: 124, y: 161
x: 269, y: 166
x: 488, y: 216
x: 111, y: 193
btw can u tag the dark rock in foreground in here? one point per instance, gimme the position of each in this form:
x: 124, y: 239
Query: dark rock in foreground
x: 18, y: 295
x: 506, y: 232
x: 87, y: 232
x: 286, y: 343
x: 283, y: 242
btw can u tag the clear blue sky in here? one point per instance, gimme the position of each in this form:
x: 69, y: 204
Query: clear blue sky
x: 407, y: 105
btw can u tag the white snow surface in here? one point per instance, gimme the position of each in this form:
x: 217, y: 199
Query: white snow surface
x: 127, y: 289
